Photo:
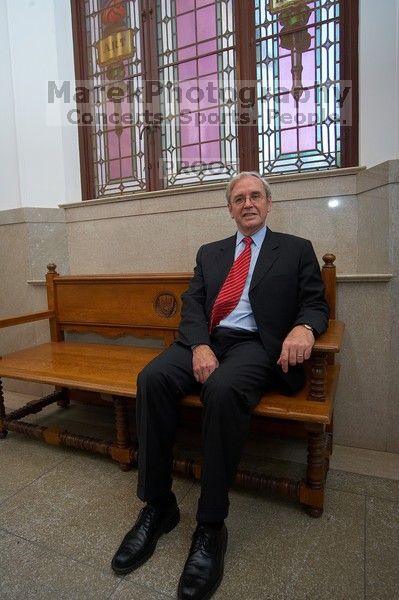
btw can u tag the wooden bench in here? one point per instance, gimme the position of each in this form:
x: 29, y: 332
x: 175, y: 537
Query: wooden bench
x: 148, y: 305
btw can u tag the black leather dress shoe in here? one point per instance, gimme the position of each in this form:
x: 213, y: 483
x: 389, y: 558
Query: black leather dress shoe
x: 139, y: 543
x: 203, y: 570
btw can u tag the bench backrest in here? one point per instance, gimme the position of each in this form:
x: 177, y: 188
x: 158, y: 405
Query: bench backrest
x: 144, y: 305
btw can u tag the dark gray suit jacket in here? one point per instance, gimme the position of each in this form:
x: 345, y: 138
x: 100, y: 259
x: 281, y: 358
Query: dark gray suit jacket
x: 286, y: 290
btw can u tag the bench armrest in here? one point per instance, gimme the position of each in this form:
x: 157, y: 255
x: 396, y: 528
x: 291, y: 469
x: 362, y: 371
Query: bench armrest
x: 331, y: 340
x: 28, y: 318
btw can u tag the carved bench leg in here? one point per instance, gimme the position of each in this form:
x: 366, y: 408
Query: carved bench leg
x: 3, y: 429
x: 312, y: 489
x: 123, y: 438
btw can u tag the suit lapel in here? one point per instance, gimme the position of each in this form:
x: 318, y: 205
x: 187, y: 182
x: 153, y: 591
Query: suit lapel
x: 268, y: 253
x: 225, y: 257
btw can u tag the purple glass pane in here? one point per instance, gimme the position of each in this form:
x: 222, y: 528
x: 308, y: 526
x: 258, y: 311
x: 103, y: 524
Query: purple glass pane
x: 206, y: 23
x: 187, y: 70
x: 284, y: 52
x: 288, y: 141
x: 190, y: 93
x: 285, y: 79
x: 189, y: 133
x: 200, y: 3
x: 287, y: 111
x: 311, y: 30
x: 307, y: 138
x: 309, y: 72
x: 307, y: 108
x: 126, y: 142
x: 210, y: 152
x: 113, y: 145
x: 190, y: 154
x: 205, y: 47
x: 186, y: 29
x: 114, y: 169
x: 209, y: 87
x: 126, y: 167
x: 210, y: 127
x: 189, y: 52
x: 207, y: 65
x: 184, y: 6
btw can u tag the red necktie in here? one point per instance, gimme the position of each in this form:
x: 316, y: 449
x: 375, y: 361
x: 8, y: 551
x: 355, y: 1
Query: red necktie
x: 231, y: 290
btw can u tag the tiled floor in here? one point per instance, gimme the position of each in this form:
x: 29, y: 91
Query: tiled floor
x: 63, y: 513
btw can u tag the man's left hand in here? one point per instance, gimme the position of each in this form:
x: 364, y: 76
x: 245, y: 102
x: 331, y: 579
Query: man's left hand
x: 297, y: 347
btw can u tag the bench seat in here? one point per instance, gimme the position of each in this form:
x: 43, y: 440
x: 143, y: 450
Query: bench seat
x: 112, y: 370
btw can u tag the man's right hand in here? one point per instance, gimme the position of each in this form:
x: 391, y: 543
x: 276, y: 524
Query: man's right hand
x: 204, y: 362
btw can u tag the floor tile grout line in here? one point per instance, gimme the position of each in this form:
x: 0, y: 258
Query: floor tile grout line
x: 116, y: 588
x: 296, y: 573
x: 147, y: 587
x: 24, y: 487
x: 41, y: 546
x: 192, y: 484
x: 359, y: 493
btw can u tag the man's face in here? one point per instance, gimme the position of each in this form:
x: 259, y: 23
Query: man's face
x: 248, y: 205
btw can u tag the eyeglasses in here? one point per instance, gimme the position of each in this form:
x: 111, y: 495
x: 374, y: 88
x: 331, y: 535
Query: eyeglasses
x: 254, y: 197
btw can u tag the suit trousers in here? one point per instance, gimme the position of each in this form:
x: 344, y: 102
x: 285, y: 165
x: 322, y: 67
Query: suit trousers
x: 228, y: 397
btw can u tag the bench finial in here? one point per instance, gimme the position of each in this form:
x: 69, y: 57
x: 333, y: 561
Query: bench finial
x: 328, y: 260
x: 51, y: 268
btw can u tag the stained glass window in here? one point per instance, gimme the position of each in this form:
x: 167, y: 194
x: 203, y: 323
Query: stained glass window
x: 166, y: 89
x: 196, y: 53
x: 298, y: 73
x: 115, y: 80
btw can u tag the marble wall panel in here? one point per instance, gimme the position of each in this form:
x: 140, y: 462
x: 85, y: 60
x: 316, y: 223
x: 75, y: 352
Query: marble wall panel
x: 372, y: 239
x: 380, y: 175
x: 169, y: 240
x: 29, y: 240
x: 318, y: 185
x: 393, y: 407
x: 361, y: 414
x: 47, y: 243
x: 330, y: 223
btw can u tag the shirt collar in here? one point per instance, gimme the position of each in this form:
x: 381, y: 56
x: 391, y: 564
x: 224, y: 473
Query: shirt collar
x: 257, y: 237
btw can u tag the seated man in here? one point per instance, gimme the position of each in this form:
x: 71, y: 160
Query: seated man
x: 249, y: 320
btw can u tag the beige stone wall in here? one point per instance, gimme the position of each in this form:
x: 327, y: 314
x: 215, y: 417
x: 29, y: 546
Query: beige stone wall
x: 352, y: 213
x: 154, y: 232
x: 29, y: 240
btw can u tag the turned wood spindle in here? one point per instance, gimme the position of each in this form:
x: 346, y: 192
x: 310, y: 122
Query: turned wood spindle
x: 328, y: 273
x: 122, y: 423
x: 318, y: 375
x: 3, y: 430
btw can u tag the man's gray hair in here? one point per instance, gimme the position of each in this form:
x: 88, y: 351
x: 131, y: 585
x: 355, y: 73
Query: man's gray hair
x: 239, y: 176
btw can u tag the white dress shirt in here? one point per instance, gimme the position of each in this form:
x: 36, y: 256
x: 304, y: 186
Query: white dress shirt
x: 241, y: 317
